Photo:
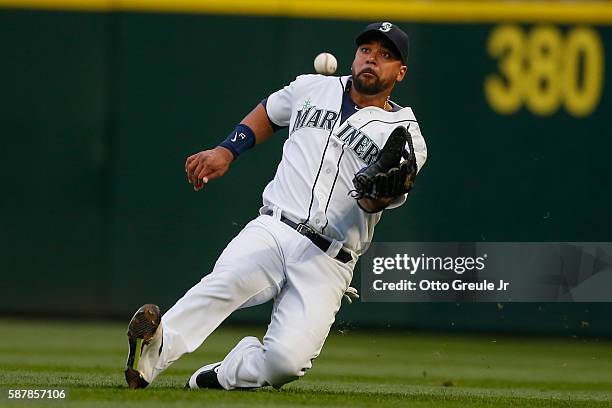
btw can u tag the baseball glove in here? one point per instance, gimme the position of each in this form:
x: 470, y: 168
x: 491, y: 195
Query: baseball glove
x: 387, y: 177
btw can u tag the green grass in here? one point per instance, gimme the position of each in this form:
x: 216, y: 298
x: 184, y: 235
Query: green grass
x: 356, y: 369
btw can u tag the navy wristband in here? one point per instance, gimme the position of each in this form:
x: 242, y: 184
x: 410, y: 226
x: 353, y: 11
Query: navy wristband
x: 240, y: 140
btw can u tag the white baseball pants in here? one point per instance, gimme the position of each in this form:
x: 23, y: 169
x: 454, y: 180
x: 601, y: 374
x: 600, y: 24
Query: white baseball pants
x: 266, y: 260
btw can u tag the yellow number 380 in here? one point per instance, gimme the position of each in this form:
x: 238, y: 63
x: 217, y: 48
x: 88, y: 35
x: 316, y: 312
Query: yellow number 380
x: 543, y: 70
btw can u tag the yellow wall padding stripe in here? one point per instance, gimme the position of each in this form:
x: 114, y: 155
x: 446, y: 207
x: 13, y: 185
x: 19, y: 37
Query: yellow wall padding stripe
x: 587, y: 12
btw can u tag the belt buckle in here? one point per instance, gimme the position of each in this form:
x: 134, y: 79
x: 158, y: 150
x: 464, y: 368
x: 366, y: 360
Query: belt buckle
x: 304, y: 229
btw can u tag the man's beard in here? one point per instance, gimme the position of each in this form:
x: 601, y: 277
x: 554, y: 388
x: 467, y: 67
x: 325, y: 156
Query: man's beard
x: 370, y: 88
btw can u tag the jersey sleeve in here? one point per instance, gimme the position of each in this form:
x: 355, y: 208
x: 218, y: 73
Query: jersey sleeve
x: 279, y: 104
x: 420, y: 152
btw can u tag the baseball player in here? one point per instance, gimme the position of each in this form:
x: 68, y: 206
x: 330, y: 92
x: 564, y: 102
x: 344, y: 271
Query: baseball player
x: 351, y: 153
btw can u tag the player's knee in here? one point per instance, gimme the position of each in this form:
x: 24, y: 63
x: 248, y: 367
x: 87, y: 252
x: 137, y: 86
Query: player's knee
x: 281, y: 366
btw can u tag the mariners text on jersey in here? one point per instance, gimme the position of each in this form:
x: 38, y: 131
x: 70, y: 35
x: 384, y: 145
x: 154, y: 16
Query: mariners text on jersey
x: 312, y: 117
x: 359, y: 142
x: 324, y: 119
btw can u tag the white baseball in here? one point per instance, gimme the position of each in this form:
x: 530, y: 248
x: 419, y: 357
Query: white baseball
x: 325, y: 63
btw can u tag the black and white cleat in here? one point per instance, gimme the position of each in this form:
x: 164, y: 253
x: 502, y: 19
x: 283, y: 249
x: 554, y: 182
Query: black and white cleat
x: 205, y: 377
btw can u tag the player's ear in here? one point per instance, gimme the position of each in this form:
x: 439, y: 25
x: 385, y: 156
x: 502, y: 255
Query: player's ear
x: 402, y: 73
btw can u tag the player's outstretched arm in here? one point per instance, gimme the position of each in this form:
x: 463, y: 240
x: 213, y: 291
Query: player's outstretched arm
x: 210, y: 164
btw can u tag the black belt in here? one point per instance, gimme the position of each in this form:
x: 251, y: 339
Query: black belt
x: 321, y: 242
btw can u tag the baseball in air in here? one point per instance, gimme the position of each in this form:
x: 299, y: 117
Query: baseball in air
x: 325, y: 63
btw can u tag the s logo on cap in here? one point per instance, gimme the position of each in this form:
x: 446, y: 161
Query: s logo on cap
x: 385, y: 27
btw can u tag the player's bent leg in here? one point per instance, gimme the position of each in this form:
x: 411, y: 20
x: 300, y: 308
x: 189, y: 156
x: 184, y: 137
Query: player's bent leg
x: 302, y: 317
x: 241, y: 368
x: 303, y: 314
x: 276, y: 362
x: 282, y: 365
x: 249, y: 366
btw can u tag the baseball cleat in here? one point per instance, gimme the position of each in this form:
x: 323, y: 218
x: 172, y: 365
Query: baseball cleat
x: 141, y: 329
x: 205, y: 377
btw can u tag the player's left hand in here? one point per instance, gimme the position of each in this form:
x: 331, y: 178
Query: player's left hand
x: 387, y: 177
x: 350, y: 295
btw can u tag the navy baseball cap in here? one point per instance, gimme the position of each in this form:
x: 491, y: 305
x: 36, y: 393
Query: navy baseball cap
x: 391, y: 32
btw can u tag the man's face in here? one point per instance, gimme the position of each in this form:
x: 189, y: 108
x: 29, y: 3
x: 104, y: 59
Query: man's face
x: 376, y: 67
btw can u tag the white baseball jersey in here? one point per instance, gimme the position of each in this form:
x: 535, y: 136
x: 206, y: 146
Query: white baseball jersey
x: 327, y: 145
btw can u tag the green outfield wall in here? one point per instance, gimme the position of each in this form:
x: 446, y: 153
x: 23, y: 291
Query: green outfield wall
x: 100, y: 108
